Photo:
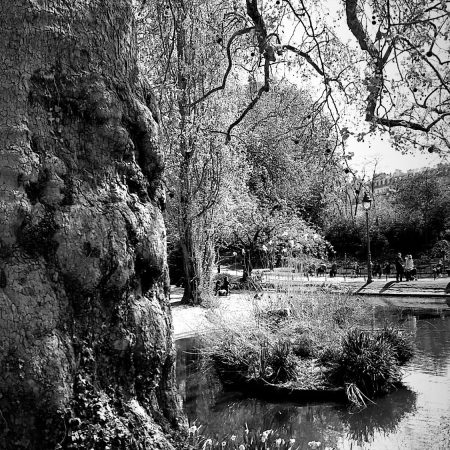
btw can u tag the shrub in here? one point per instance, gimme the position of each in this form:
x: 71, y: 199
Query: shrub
x: 282, y: 362
x: 369, y: 362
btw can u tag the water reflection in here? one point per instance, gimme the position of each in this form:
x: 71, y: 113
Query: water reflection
x: 382, y: 418
x: 411, y: 418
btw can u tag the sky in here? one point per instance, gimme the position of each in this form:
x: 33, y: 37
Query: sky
x: 378, y: 152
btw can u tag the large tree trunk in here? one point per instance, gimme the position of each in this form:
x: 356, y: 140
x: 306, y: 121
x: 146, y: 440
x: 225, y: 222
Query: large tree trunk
x: 86, y: 352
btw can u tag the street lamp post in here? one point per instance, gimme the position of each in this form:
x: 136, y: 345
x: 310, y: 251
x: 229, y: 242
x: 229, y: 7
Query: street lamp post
x: 367, y: 203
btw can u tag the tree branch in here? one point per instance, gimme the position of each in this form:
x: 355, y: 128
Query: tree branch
x: 230, y: 65
x: 357, y: 29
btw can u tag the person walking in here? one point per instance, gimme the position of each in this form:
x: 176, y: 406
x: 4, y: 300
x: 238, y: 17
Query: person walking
x: 333, y: 270
x: 387, y: 269
x: 399, y: 268
x: 409, y: 268
x: 377, y: 269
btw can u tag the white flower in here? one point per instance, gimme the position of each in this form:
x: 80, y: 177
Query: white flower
x: 242, y: 447
x: 224, y: 443
x: 292, y: 441
x: 233, y: 437
x: 314, y: 444
x: 278, y: 442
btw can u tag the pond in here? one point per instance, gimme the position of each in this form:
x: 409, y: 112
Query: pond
x: 417, y: 417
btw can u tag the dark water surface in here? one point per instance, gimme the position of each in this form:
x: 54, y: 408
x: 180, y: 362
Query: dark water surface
x: 417, y: 417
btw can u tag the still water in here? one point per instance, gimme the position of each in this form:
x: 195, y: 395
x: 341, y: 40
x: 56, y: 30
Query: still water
x: 417, y: 417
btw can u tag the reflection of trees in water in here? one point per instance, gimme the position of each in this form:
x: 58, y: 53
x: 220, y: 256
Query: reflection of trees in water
x: 324, y: 423
x: 197, y: 387
x: 383, y: 417
x: 430, y: 329
x: 432, y: 340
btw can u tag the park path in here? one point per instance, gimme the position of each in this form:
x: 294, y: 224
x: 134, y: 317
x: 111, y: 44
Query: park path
x: 193, y: 320
x: 424, y: 287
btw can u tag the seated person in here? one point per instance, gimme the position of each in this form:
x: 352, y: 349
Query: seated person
x: 225, y: 288
x: 217, y: 287
x: 321, y: 269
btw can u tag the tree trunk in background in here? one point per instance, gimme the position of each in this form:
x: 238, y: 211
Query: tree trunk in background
x: 86, y: 351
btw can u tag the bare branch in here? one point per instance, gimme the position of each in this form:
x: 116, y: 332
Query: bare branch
x: 261, y: 90
x: 306, y: 57
x: 230, y: 65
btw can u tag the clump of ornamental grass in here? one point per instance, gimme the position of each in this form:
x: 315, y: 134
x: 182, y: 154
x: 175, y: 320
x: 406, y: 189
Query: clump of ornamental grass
x: 370, y: 362
x: 401, y: 344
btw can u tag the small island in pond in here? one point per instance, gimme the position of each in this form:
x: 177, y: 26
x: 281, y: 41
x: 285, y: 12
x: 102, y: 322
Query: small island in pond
x: 309, y: 347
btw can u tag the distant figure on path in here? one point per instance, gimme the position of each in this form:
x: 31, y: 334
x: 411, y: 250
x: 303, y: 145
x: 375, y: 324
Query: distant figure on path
x: 410, y: 271
x: 439, y: 267
x: 356, y: 269
x: 399, y: 268
x: 437, y: 270
x: 333, y: 270
x: 387, y: 269
x: 377, y: 269
x: 226, y: 286
x: 217, y: 287
x: 322, y: 269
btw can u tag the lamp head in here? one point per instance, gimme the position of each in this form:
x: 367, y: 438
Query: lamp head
x: 366, y: 201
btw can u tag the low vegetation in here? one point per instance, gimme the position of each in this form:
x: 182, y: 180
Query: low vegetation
x: 312, y: 341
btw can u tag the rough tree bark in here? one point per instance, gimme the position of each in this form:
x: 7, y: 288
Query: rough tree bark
x: 86, y: 352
